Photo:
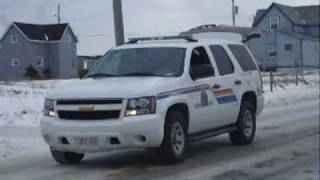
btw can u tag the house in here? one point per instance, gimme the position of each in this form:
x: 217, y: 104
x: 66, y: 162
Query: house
x: 85, y: 63
x: 291, y: 36
x: 49, y: 49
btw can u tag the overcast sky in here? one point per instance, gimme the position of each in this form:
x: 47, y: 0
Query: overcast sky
x: 92, y: 20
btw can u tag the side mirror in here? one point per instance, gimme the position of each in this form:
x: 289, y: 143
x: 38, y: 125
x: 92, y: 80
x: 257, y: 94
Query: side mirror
x: 202, y: 71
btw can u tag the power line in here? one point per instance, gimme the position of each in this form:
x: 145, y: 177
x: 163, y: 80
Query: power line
x: 93, y: 35
x: 88, y: 18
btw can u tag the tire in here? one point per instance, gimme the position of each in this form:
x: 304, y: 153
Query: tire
x: 246, y: 125
x: 173, y: 147
x: 66, y: 157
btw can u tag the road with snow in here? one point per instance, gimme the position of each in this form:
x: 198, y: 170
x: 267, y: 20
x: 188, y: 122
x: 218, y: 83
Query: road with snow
x: 286, y: 148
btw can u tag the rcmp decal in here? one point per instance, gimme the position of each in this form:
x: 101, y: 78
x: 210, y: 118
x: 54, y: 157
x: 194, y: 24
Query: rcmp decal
x: 204, y: 101
x: 222, y: 96
x: 225, y: 96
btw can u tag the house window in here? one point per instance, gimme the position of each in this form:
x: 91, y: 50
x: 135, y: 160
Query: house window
x: 39, y: 61
x: 15, y: 62
x: 274, y: 23
x: 288, y: 47
x: 14, y: 38
x: 272, y: 51
x: 85, y: 65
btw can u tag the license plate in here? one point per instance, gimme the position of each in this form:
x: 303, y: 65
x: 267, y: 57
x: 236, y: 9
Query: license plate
x: 87, y: 141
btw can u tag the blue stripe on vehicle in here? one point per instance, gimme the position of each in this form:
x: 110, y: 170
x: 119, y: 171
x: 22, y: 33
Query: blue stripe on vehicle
x: 183, y: 91
x: 226, y: 99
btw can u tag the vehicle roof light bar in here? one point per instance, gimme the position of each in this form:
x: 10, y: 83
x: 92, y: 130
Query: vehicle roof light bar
x: 188, y: 38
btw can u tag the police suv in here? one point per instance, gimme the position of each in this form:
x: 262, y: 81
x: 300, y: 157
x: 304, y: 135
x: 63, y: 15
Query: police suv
x: 159, y: 92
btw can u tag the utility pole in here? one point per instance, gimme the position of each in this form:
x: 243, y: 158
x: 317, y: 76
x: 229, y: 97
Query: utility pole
x: 233, y: 14
x: 58, y: 14
x: 118, y: 22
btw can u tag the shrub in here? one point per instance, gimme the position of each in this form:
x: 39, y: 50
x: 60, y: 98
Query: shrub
x: 32, y: 73
x: 47, y: 73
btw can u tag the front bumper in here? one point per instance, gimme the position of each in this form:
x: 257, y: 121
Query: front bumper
x: 131, y: 132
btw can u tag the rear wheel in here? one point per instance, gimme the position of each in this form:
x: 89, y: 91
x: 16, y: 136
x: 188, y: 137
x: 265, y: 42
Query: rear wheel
x: 66, y: 157
x: 173, y: 147
x: 246, y: 125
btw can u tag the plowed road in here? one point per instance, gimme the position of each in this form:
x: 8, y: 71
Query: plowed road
x: 286, y: 147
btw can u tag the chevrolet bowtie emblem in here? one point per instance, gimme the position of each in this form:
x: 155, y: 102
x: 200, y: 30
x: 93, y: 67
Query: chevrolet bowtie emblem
x: 86, y: 108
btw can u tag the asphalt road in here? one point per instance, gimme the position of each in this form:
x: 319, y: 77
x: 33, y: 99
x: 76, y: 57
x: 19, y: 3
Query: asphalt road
x: 286, y: 148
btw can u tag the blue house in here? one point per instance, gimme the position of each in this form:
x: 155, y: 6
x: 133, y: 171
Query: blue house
x: 290, y: 36
x: 47, y: 48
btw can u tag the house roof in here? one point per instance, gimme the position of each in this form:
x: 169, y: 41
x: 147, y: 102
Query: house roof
x: 300, y: 15
x: 49, y: 32
x: 91, y: 58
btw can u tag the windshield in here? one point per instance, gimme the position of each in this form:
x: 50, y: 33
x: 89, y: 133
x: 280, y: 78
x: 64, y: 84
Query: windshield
x: 166, y: 62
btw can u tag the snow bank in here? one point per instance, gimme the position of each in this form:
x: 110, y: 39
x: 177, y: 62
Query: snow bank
x: 21, y: 103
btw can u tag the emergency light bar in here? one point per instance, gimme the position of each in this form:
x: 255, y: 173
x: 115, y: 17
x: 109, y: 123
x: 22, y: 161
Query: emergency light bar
x: 188, y: 38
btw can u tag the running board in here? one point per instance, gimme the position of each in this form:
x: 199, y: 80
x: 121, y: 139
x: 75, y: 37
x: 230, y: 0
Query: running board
x: 211, y: 132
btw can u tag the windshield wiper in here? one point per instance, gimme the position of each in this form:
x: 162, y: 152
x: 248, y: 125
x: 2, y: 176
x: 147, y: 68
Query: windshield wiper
x: 101, y: 75
x: 140, y: 74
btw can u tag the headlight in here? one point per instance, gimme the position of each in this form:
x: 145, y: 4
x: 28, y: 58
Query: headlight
x: 49, y: 108
x: 140, y: 106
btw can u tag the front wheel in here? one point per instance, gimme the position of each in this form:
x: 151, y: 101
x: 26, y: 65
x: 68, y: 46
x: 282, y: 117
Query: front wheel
x: 175, y: 137
x: 246, y: 125
x: 66, y: 157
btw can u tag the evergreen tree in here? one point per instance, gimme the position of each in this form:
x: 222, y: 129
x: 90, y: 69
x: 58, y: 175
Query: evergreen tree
x: 32, y: 73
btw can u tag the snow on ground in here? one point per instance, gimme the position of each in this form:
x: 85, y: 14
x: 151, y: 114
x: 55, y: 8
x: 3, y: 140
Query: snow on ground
x: 21, y: 106
x: 287, y: 93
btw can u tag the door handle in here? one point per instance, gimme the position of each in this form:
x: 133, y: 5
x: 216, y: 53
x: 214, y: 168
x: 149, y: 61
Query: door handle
x: 216, y: 86
x: 238, y: 82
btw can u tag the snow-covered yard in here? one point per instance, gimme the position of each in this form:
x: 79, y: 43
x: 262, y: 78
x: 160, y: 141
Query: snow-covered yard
x: 21, y: 107
x: 21, y: 103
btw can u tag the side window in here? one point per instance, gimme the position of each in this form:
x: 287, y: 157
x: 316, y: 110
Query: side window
x: 272, y: 51
x: 15, y: 62
x: 243, y: 57
x: 288, y: 47
x: 222, y: 59
x: 39, y: 61
x: 200, y: 65
x: 14, y: 38
x: 85, y: 64
x: 274, y: 23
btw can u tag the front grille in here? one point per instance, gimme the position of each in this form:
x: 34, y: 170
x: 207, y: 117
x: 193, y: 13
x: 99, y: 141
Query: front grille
x: 94, y: 115
x: 88, y: 101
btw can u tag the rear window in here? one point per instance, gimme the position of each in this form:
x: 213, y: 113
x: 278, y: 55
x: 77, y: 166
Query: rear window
x: 243, y: 57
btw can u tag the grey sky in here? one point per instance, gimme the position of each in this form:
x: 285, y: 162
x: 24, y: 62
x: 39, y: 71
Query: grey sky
x: 92, y: 20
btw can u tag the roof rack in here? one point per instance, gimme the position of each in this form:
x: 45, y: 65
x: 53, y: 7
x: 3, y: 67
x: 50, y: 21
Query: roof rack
x: 188, y: 38
x: 206, y: 26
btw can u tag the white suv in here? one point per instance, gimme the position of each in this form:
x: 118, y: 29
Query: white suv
x: 156, y: 93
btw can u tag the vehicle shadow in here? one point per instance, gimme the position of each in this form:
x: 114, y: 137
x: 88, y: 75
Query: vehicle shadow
x: 140, y: 159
